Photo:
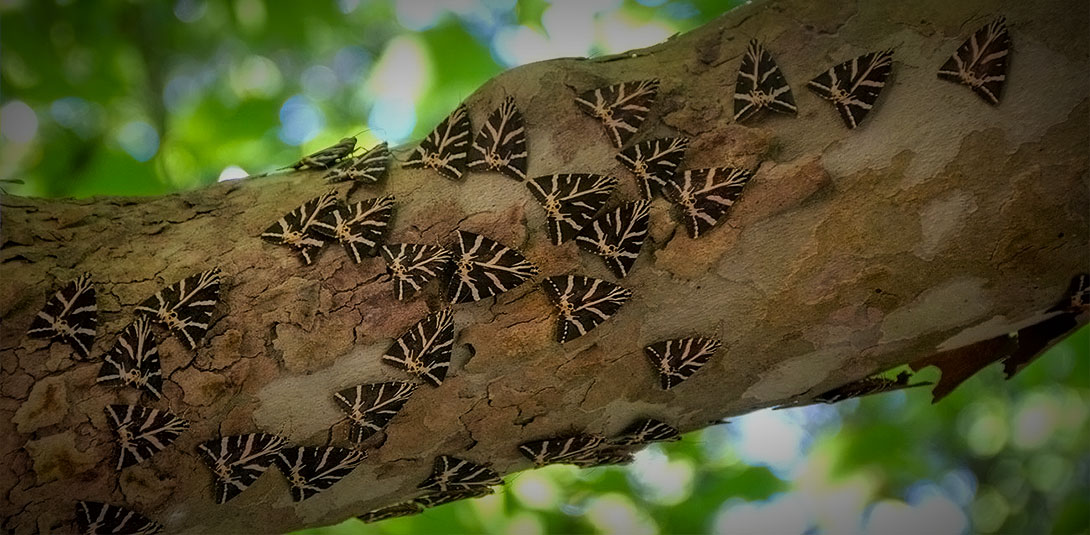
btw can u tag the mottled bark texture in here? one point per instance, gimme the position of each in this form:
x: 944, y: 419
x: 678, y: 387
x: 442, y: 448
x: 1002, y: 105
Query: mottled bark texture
x: 939, y: 223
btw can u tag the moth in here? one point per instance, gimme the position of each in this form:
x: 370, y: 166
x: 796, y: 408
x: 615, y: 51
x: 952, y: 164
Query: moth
x: 393, y: 511
x: 677, y: 360
x: 981, y: 62
x: 452, y: 473
x: 424, y: 351
x: 1077, y: 297
x: 654, y: 162
x: 412, y: 265
x: 369, y: 168
x: 853, y: 86
x: 370, y: 407
x: 142, y: 431
x: 501, y: 144
x: 866, y: 387
x: 312, y: 470
x: 484, y: 268
x: 617, y: 236
x: 96, y: 518
x: 134, y: 360
x: 298, y: 228
x: 71, y: 315
x: 185, y: 307
x: 570, y: 201
x: 706, y: 195
x: 444, y: 497
x: 601, y: 457
x: 761, y: 86
x: 238, y: 460
x: 645, y: 432
x: 360, y: 227
x: 559, y: 449
x: 622, y: 107
x: 583, y: 302
x: 328, y: 156
x: 446, y: 149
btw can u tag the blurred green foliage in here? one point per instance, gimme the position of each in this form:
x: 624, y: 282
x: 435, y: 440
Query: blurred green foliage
x: 144, y: 98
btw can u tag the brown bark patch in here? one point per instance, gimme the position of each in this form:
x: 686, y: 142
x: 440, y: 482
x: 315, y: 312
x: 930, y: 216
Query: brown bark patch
x: 56, y: 457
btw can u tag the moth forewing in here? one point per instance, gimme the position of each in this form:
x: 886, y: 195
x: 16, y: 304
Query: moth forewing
x: 411, y: 266
x: 868, y: 386
x: 570, y: 201
x: 618, y: 236
x: 328, y: 156
x: 95, y: 518
x: 452, y: 473
x: 444, y: 497
x: 298, y: 228
x: 981, y: 62
x: 392, y: 511
x: 621, y: 108
x: 654, y: 162
x: 360, y: 227
x: 678, y: 359
x: 237, y: 461
x: 559, y: 449
x: 70, y: 315
x: 370, y: 407
x: 501, y: 143
x: 646, y: 431
x: 134, y: 360
x: 185, y: 307
x: 446, y: 148
x: 583, y: 303
x: 312, y: 470
x: 369, y: 168
x: 705, y: 196
x: 142, y: 431
x: 424, y: 351
x: 761, y: 86
x: 853, y: 86
x: 484, y: 267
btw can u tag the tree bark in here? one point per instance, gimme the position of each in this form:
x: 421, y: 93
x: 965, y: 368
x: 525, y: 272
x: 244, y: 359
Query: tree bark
x: 940, y: 223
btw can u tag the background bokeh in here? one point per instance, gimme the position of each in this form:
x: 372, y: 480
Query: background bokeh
x: 121, y: 97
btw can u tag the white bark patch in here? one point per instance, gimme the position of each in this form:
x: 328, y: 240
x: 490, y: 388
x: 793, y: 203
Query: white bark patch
x: 797, y: 375
x: 298, y: 406
x: 940, y: 220
x: 959, y: 301
x: 993, y: 327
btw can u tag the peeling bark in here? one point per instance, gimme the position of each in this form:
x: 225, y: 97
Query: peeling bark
x: 940, y: 223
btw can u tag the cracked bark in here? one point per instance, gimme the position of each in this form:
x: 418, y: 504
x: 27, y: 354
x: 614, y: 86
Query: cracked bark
x: 941, y: 223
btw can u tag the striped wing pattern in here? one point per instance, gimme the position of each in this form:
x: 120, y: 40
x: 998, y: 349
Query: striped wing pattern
x: 392, y: 511
x: 602, y: 457
x: 312, y: 470
x: 298, y: 228
x: 452, y: 473
x: 70, y: 315
x: 484, y: 268
x: 622, y: 107
x: 654, y: 162
x: 134, y: 360
x: 238, y: 460
x: 328, y: 156
x: 360, y: 227
x: 1077, y: 297
x: 369, y: 168
x: 981, y: 62
x: 677, y: 360
x: 142, y: 431
x: 761, y: 86
x: 501, y: 144
x: 646, y: 431
x: 412, y: 265
x: 559, y: 449
x: 854, y: 86
x: 446, y: 149
x: 706, y: 195
x: 96, y: 518
x: 868, y: 386
x: 370, y: 407
x: 618, y: 236
x: 186, y: 306
x: 584, y: 303
x: 570, y: 201
x: 436, y: 499
x: 424, y: 351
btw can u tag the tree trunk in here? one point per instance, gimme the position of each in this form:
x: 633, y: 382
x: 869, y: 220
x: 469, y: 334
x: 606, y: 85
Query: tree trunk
x: 939, y: 223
